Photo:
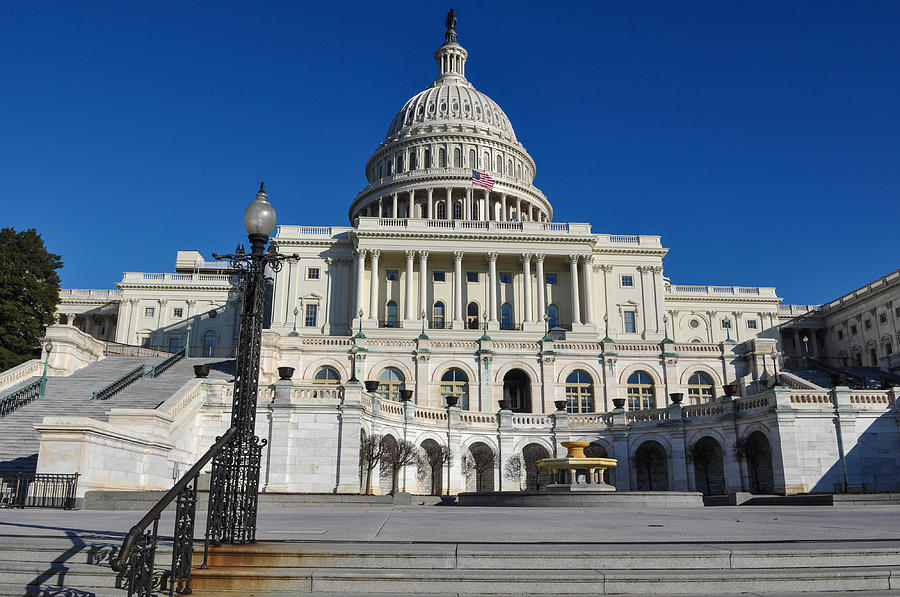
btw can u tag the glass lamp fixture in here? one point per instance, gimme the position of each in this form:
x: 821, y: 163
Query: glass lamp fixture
x: 259, y: 217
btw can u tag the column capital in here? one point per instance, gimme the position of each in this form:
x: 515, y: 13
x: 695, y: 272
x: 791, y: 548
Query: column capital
x: 587, y: 258
x: 539, y: 257
x: 492, y: 256
x: 423, y: 254
x: 458, y: 255
x: 162, y: 302
x: 606, y: 267
x: 574, y: 257
x: 376, y: 253
x: 133, y: 301
x: 361, y: 253
x: 410, y: 254
x: 526, y: 257
x: 191, y: 302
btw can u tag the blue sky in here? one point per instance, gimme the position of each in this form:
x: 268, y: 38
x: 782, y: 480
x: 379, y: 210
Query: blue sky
x: 759, y: 139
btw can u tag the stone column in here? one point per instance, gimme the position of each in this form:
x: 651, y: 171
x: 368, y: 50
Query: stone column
x: 467, y: 206
x: 360, y: 277
x: 519, y: 208
x: 373, y: 284
x: 503, y: 216
x: 541, y: 294
x: 588, y: 270
x: 161, y: 321
x: 528, y: 316
x: 430, y: 214
x: 492, y: 280
x: 448, y: 204
x: 485, y: 203
x: 411, y: 208
x: 380, y: 206
x: 423, y: 282
x: 350, y: 423
x: 457, y: 289
x: 576, y: 306
x: 408, y: 313
x: 394, y: 209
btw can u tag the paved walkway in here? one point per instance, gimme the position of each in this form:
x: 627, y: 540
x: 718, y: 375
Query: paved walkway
x: 512, y: 525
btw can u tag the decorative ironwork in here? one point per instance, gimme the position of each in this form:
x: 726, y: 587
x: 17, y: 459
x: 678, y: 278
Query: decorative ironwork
x: 38, y: 490
x: 120, y: 384
x: 157, y: 370
x: 183, y: 540
x: 12, y: 402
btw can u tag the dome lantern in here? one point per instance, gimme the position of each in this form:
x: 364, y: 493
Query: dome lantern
x: 451, y: 57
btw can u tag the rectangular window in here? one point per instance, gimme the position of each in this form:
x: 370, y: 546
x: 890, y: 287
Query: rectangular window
x: 439, y: 276
x: 630, y: 327
x: 472, y: 277
x: 897, y: 312
x: 149, y: 311
x: 505, y: 278
x: 312, y: 312
x: 726, y: 324
x: 867, y: 324
x: 840, y: 334
x: 312, y: 273
x: 751, y: 324
x: 550, y: 278
x: 882, y: 318
x: 392, y: 275
x: 853, y: 329
x: 627, y: 281
x: 177, y: 312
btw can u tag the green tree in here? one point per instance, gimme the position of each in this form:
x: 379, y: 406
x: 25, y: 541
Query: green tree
x: 29, y: 293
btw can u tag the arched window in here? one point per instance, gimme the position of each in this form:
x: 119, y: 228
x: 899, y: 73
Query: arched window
x: 506, y: 317
x: 441, y: 211
x: 454, y: 382
x: 437, y: 316
x: 579, y: 392
x: 641, y: 394
x: 413, y: 162
x: 519, y: 171
x: 457, y: 210
x: 390, y: 166
x: 472, y: 163
x: 442, y: 157
x: 475, y: 210
x: 700, y: 388
x: 391, y: 315
x: 400, y: 163
x: 209, y: 343
x: 390, y: 382
x: 457, y: 157
x: 499, y: 167
x: 553, y: 316
x: 327, y: 374
x: 427, y: 157
x: 486, y: 163
x: 509, y: 167
x: 472, y: 316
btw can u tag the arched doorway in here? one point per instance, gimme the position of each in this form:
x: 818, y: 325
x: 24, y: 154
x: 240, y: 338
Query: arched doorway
x: 432, y: 468
x: 596, y: 450
x: 478, y: 466
x: 651, y: 466
x: 709, y: 466
x: 517, y: 391
x: 535, y: 478
x: 386, y: 473
x: 756, y: 452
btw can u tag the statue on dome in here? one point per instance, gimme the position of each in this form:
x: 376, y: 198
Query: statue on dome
x: 451, y: 27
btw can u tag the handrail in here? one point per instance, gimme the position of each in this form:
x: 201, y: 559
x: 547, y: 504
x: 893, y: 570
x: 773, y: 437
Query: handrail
x: 132, y: 350
x: 120, y: 384
x: 12, y: 401
x: 136, y: 556
x: 157, y: 370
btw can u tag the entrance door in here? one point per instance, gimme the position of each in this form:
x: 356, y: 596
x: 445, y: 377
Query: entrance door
x: 517, y: 390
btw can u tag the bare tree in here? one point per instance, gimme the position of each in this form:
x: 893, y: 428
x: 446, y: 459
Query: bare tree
x: 481, y: 463
x: 512, y: 470
x: 434, y: 460
x: 703, y: 454
x: 747, y: 448
x: 396, y: 455
x: 646, y: 459
x: 371, y: 451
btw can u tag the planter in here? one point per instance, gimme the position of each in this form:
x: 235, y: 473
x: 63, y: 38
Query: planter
x: 504, y: 404
x: 285, y: 373
x: 452, y: 400
x: 559, y: 404
x: 406, y: 395
x: 838, y: 379
x: 730, y: 389
x: 618, y: 403
x: 371, y: 385
x: 201, y: 370
x: 676, y: 397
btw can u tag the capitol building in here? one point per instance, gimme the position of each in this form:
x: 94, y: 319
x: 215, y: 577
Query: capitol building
x: 453, y: 280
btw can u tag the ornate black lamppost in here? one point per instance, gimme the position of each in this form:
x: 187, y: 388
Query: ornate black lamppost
x: 234, y: 485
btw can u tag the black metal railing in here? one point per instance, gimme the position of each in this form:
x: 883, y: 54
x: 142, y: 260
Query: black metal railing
x: 157, y: 370
x: 136, y: 559
x: 38, y: 490
x: 131, y: 350
x: 120, y: 384
x: 13, y: 401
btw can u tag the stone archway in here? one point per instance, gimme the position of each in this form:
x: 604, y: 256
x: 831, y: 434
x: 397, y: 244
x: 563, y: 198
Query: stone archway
x: 534, y: 477
x: 430, y: 472
x: 478, y: 466
x: 386, y: 473
x: 756, y: 451
x: 709, y: 466
x: 652, y: 467
x: 517, y: 390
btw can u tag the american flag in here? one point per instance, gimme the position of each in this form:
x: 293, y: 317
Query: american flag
x: 482, y: 179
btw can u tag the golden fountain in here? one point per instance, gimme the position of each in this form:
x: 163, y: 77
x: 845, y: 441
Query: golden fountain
x: 576, y: 472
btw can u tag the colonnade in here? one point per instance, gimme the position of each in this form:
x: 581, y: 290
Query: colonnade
x: 370, y: 310
x: 439, y: 204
